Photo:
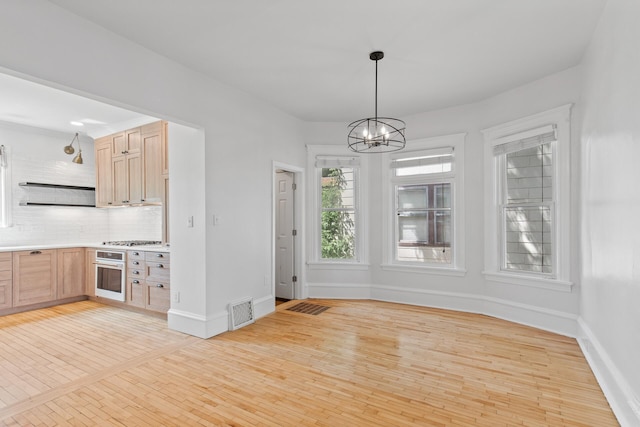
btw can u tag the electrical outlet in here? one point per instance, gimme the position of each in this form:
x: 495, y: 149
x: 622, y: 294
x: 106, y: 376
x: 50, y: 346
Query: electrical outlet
x: 190, y: 222
x: 176, y: 296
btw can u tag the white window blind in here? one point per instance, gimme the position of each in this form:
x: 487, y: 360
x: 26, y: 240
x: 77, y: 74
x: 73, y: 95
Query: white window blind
x: 337, y: 162
x: 523, y: 140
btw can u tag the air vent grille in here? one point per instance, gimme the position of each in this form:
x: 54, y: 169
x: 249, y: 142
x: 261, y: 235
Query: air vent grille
x: 241, y: 314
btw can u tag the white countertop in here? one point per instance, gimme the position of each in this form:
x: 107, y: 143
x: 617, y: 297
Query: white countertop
x: 32, y: 247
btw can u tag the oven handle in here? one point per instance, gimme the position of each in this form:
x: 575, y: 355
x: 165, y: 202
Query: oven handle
x: 109, y: 264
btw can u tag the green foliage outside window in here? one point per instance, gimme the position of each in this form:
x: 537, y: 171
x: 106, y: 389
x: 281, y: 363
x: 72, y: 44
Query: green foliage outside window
x: 338, y: 235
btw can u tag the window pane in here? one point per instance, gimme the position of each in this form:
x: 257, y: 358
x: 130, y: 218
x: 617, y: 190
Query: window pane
x: 528, y: 239
x: 338, y: 235
x: 530, y: 175
x: 423, y: 215
x: 423, y: 165
x: 338, y: 188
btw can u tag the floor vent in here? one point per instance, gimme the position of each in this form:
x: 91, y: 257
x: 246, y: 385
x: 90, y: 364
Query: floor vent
x: 241, y: 313
x: 308, y: 308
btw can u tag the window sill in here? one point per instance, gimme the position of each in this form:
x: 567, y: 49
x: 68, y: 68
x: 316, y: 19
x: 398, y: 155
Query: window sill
x: 337, y: 266
x: 443, y: 271
x: 532, y: 281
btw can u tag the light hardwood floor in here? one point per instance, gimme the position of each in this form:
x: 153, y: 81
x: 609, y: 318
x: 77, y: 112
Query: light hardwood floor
x: 358, y: 363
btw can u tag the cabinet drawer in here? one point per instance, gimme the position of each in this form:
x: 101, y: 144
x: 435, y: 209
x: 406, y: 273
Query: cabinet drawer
x: 135, y: 255
x: 158, y: 271
x: 137, y: 264
x: 136, y: 273
x: 163, y: 257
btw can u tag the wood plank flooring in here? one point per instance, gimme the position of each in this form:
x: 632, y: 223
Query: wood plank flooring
x: 359, y: 363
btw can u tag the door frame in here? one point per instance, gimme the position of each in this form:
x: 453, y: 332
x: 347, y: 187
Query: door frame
x: 300, y: 288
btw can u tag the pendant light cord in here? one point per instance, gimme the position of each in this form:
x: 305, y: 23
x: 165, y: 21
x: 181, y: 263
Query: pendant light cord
x: 376, y: 108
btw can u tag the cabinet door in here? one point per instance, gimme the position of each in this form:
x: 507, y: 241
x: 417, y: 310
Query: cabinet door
x: 120, y: 180
x: 6, y: 280
x: 134, y: 176
x: 34, y: 277
x: 136, y: 292
x: 90, y: 272
x: 165, y: 212
x: 158, y: 296
x: 104, y: 177
x: 71, y: 278
x: 132, y: 141
x: 152, y: 179
x: 118, y: 144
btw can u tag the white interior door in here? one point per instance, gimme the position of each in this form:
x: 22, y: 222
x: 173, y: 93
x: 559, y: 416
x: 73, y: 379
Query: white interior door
x: 285, y: 238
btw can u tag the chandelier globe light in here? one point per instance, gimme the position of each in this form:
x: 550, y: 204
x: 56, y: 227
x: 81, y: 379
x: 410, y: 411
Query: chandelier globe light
x: 376, y: 134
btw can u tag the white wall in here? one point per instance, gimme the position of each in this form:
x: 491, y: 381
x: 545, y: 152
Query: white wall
x: 610, y: 207
x: 242, y: 138
x: 544, y: 308
x: 36, y: 155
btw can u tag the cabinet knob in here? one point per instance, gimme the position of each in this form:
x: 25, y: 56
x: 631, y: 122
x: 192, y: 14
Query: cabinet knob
x: 135, y: 272
x: 160, y: 266
x: 136, y: 282
x: 159, y: 285
x: 136, y: 263
x: 35, y: 253
x: 136, y: 254
x: 142, y: 200
x: 109, y: 203
x: 159, y: 255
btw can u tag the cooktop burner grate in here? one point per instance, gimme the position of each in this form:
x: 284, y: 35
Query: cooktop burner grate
x: 132, y: 243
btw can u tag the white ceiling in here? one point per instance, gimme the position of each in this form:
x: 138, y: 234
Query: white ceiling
x: 311, y: 58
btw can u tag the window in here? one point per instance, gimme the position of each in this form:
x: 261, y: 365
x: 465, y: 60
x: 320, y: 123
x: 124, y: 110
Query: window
x: 338, y: 221
x: 425, y: 205
x: 338, y: 213
x: 4, y: 188
x: 528, y: 219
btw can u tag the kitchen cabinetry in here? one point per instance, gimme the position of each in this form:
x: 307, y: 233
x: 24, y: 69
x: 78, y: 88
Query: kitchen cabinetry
x: 148, y: 280
x: 154, y: 165
x: 34, y: 277
x: 71, y: 277
x: 90, y: 272
x: 6, y: 280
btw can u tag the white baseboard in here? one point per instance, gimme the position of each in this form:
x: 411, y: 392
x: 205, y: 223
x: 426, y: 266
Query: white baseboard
x: 625, y: 405
x: 264, y: 306
x: 198, y: 325
x: 339, y: 290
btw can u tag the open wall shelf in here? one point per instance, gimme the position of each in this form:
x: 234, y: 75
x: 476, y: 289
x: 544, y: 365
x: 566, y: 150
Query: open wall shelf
x: 59, y: 201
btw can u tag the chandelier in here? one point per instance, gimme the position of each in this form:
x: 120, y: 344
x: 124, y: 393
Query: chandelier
x: 376, y: 134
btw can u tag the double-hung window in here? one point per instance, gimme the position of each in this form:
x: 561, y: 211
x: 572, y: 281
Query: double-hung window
x: 425, y: 205
x: 337, y: 222
x: 527, y: 225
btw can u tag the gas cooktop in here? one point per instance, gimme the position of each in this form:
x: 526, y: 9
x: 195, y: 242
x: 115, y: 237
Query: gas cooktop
x: 132, y: 243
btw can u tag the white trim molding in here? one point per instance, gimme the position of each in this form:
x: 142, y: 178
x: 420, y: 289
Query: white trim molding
x: 619, y: 394
x: 198, y: 325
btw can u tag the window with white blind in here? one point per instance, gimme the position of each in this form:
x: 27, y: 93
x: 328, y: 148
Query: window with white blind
x: 424, y: 223
x: 527, y: 206
x: 337, y: 195
x: 528, y: 199
x: 4, y: 188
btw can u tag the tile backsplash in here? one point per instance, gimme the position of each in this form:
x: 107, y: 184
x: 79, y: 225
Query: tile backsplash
x: 36, y: 155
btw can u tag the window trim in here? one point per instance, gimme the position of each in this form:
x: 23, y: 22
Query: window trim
x: 315, y: 206
x: 497, y: 135
x: 455, y: 177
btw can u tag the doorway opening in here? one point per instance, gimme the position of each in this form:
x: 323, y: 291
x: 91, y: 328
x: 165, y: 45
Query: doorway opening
x: 287, y: 233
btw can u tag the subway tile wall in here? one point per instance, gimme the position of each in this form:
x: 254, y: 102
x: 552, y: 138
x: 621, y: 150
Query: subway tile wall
x: 36, y: 155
